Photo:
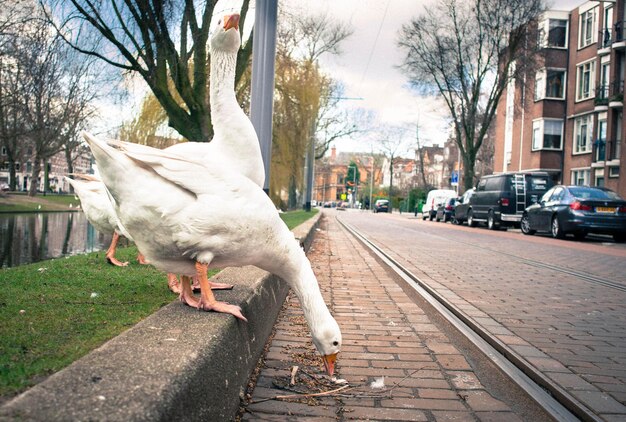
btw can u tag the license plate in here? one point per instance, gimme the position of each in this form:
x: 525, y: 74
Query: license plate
x: 605, y: 209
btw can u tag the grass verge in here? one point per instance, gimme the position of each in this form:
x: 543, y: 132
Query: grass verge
x: 19, y: 202
x: 53, y: 312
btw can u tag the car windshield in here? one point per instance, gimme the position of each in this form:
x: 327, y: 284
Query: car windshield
x: 582, y: 192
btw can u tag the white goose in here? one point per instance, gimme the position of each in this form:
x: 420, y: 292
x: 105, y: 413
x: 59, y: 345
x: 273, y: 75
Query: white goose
x: 100, y: 213
x: 235, y: 141
x: 187, y: 215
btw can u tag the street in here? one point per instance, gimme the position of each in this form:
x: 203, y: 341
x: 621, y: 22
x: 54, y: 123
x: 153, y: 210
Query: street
x: 558, y: 303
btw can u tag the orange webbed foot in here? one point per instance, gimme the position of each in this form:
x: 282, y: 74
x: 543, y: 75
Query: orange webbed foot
x: 142, y: 259
x: 115, y: 262
x: 222, y: 307
x: 173, y: 284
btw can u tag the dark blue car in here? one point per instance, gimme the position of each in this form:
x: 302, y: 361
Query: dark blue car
x: 577, y: 210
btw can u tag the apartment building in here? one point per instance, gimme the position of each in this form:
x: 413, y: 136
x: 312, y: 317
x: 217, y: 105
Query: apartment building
x: 567, y: 118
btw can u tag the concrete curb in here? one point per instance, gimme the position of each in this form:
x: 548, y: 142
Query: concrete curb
x: 178, y: 364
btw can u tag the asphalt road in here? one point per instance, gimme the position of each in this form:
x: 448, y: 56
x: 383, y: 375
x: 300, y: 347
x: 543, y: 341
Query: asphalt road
x: 561, y: 304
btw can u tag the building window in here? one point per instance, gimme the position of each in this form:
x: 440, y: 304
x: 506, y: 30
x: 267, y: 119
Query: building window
x: 555, y: 82
x: 29, y: 167
x: 547, y: 134
x: 550, y: 83
x: 613, y: 172
x: 588, y: 27
x: 583, y: 130
x: 4, y: 166
x: 599, y: 175
x: 557, y: 33
x: 585, y: 76
x: 580, y: 177
x: 4, y: 150
x: 17, y: 166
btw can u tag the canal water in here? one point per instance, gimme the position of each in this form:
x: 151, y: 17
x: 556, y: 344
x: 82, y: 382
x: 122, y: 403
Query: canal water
x: 33, y: 237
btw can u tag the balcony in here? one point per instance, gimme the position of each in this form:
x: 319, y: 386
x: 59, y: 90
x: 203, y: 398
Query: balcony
x: 616, y: 94
x: 613, y: 151
x: 598, y: 153
x: 619, y: 41
x: 602, y: 98
x: 605, y: 40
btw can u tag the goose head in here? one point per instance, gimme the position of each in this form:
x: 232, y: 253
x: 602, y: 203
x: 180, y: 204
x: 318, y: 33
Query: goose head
x: 225, y: 37
x: 327, y: 340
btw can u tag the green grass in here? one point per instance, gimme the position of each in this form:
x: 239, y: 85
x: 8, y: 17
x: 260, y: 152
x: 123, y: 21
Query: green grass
x: 53, y: 312
x: 20, y: 202
x: 295, y: 218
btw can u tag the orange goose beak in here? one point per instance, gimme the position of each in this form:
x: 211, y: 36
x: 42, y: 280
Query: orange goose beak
x: 329, y: 363
x: 231, y: 21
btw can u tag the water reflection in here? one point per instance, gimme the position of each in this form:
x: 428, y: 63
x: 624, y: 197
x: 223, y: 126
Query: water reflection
x: 27, y: 238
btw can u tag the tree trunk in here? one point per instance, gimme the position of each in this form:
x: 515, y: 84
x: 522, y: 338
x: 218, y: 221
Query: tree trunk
x: 468, y: 173
x: 292, y: 200
x: 34, y: 177
x: 70, y: 165
x: 12, y: 174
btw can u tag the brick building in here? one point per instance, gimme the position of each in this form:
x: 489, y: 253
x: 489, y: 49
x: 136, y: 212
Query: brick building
x: 331, y: 172
x: 567, y: 118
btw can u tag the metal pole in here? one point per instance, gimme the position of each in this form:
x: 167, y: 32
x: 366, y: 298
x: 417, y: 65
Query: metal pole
x: 262, y: 90
x: 309, y: 163
x: 372, y: 181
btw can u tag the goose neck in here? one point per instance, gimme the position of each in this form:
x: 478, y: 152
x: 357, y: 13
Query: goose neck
x: 222, y: 80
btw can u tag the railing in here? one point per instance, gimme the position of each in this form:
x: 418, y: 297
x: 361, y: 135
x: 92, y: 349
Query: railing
x: 606, y: 38
x: 602, y: 94
x: 613, y: 149
x: 616, y: 91
x: 619, y: 31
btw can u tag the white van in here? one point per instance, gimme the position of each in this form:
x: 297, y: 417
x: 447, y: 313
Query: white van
x: 435, y: 198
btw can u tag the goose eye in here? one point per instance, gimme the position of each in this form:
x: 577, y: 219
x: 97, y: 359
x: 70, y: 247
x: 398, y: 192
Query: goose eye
x: 335, y: 343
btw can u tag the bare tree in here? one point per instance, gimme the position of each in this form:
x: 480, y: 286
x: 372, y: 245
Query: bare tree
x: 466, y: 52
x: 392, y: 143
x: 162, y: 41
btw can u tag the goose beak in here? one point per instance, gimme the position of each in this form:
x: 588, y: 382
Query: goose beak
x: 231, y: 21
x: 329, y: 363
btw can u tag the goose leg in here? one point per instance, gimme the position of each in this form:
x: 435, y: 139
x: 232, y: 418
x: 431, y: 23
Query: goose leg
x: 142, y: 259
x: 186, y: 294
x: 207, y: 300
x: 195, y: 286
x: 172, y: 283
x: 110, y: 255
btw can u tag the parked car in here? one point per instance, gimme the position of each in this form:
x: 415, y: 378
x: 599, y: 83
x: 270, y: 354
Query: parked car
x: 461, y: 207
x: 381, y: 205
x: 435, y: 198
x: 500, y: 199
x: 445, y: 211
x: 577, y: 210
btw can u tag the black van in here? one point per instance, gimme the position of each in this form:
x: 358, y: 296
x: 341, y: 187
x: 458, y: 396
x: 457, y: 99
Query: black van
x: 500, y: 199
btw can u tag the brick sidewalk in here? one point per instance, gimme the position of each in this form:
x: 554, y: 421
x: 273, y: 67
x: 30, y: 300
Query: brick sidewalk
x: 385, y: 334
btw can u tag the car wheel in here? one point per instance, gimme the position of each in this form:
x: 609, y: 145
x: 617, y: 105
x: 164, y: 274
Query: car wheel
x: 423, y: 217
x: 555, y: 228
x: 525, y: 225
x: 491, y: 221
x: 470, y: 219
x: 619, y: 237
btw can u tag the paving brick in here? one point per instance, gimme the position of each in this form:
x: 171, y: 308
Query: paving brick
x: 383, y: 414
